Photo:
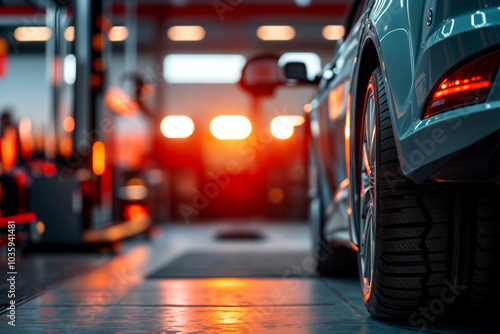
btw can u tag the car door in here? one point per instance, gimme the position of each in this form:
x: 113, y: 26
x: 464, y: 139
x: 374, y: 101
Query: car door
x: 334, y: 98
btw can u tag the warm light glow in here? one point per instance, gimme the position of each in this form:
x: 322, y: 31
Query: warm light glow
x: 336, y: 100
x: 276, y: 195
x: 230, y: 127
x: 119, y: 102
x: 186, y: 33
x: 178, y: 126
x: 276, y: 33
x: 462, y: 86
x: 333, y: 32
x: 69, y: 34
x: 8, y: 149
x: 25, y: 137
x: 98, y: 158
x: 347, y: 132
x: 118, y: 34
x: 226, y: 283
x: 40, y: 227
x: 281, y: 127
x: 69, y: 124
x: 135, y: 212
x: 295, y: 119
x: 32, y: 34
x: 308, y: 108
x: 135, y: 190
x: 203, y: 68
x: 66, y: 145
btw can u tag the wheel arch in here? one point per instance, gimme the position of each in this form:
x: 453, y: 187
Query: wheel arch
x: 368, y: 59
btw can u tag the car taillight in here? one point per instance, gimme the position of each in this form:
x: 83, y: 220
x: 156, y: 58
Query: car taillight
x: 469, y: 85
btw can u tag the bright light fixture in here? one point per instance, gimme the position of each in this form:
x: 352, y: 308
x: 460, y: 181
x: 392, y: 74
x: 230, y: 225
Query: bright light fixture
x: 230, y: 127
x: 203, y: 68
x: 186, y: 33
x: 118, y: 34
x: 69, y: 34
x: 282, y: 127
x: 32, y: 34
x: 276, y: 33
x: 333, y: 32
x: 69, y: 66
x: 178, y: 126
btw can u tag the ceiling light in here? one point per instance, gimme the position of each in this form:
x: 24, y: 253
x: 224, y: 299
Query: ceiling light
x: 276, y: 33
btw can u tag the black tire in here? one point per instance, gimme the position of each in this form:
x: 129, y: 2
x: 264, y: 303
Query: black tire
x: 436, y: 245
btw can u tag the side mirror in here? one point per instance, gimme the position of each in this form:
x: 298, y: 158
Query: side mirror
x: 261, y: 76
x: 296, y: 71
x: 301, y: 67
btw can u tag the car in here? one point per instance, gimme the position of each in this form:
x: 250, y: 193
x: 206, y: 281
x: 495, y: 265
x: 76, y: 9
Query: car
x: 405, y: 156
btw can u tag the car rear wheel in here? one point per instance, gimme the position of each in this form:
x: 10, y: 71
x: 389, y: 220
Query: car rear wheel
x: 425, y: 250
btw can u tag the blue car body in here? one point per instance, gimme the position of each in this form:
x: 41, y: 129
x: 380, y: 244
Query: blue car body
x: 417, y: 44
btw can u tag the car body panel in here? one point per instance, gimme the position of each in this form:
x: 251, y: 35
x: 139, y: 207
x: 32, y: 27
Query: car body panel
x: 328, y: 123
x: 414, y: 57
x: 415, y: 60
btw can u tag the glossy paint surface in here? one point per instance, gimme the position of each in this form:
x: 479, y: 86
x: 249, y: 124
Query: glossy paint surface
x: 417, y: 44
x: 415, y: 56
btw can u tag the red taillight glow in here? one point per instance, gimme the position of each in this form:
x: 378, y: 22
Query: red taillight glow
x: 467, y: 86
x: 135, y: 212
x: 230, y: 127
x: 459, y: 86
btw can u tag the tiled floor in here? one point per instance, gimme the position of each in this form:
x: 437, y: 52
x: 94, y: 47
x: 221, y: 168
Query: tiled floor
x: 117, y: 297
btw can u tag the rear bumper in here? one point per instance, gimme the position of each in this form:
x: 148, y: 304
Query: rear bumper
x: 459, y: 145
x: 479, y: 162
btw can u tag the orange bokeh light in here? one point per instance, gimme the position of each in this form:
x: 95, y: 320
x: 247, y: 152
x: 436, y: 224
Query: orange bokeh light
x: 25, y: 137
x: 186, y: 33
x: 98, y: 158
x: 66, y: 145
x: 177, y: 126
x: 227, y: 127
x: 8, y: 147
x: 118, y: 33
x: 32, y: 34
x: 69, y: 34
x: 276, y: 33
x: 119, y: 102
x: 308, y: 108
x: 333, y: 32
x: 135, y: 212
x: 69, y: 124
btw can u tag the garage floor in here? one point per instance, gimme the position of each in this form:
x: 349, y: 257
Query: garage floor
x: 134, y: 292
